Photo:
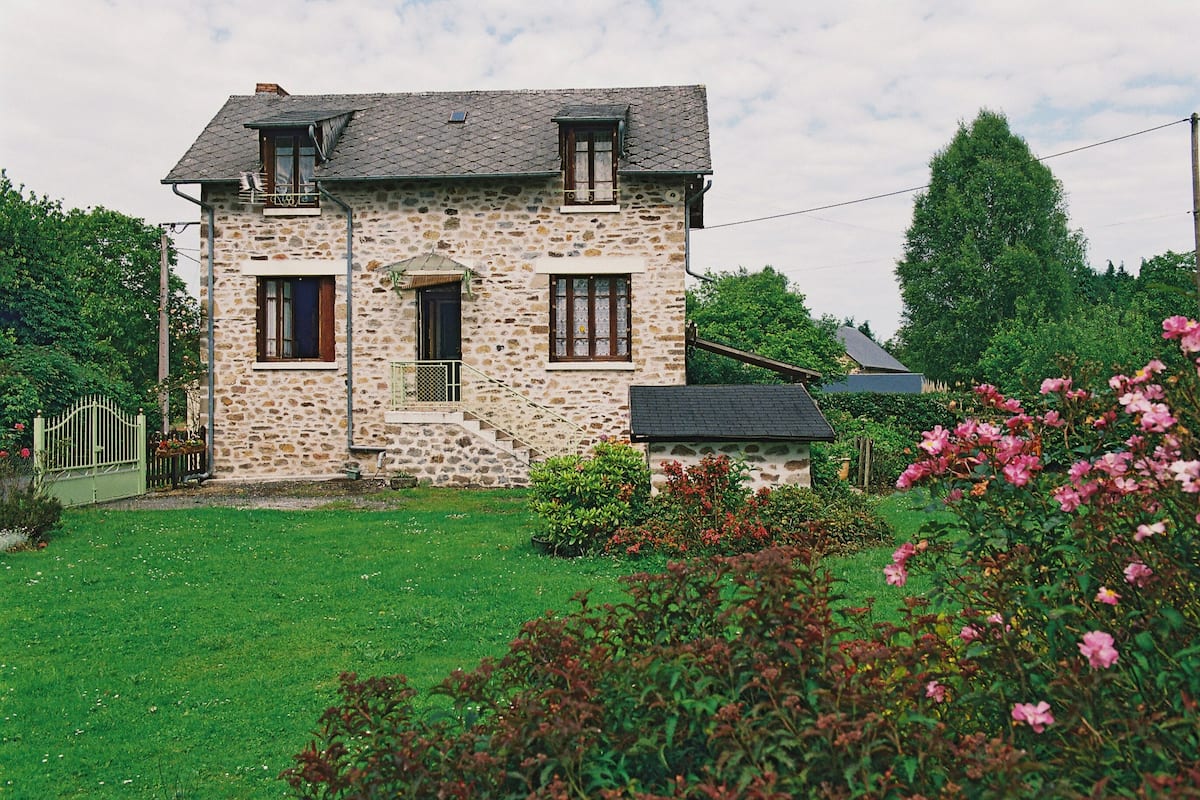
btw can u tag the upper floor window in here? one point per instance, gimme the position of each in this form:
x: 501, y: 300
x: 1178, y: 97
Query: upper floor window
x: 295, y: 318
x: 591, y: 164
x: 590, y: 318
x: 290, y: 158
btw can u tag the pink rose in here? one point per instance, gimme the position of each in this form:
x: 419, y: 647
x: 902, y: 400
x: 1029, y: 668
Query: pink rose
x: 935, y: 692
x: 1146, y: 531
x: 896, y: 574
x: 1037, y: 717
x: 1107, y: 596
x: 1097, y: 646
x: 1138, y: 573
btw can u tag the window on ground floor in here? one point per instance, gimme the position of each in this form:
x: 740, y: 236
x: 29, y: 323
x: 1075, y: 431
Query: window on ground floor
x: 295, y: 318
x: 590, y: 318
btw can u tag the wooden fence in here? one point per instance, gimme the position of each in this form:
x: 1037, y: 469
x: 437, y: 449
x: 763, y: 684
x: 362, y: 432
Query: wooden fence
x: 171, y: 460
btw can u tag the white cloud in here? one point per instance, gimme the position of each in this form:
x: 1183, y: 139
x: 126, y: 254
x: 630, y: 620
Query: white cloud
x: 810, y: 104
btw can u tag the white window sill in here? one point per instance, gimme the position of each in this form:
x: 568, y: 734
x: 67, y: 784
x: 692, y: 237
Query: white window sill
x: 292, y: 212
x: 586, y: 209
x: 590, y: 366
x: 294, y: 365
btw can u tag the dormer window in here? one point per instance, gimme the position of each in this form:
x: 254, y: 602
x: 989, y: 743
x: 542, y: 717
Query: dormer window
x: 591, y: 139
x: 591, y: 165
x: 290, y: 158
x: 292, y: 144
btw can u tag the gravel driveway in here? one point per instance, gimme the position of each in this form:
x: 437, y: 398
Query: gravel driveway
x: 274, y: 494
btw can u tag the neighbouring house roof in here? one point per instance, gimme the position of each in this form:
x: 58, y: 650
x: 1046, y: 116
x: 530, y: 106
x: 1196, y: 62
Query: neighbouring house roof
x: 879, y: 383
x: 777, y: 412
x: 409, y: 135
x: 866, y: 353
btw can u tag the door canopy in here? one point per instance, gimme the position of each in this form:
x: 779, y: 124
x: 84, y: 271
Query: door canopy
x: 429, y: 269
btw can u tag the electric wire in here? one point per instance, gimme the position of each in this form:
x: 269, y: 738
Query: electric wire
x: 926, y: 186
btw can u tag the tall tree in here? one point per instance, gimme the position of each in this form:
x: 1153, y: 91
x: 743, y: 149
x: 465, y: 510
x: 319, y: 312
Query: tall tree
x: 990, y: 232
x: 761, y: 313
x: 79, y: 307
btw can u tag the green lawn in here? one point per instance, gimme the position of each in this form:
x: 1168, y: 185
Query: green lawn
x: 188, y: 654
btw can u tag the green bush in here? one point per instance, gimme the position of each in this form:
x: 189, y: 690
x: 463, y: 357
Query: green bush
x: 582, y: 500
x: 847, y: 521
x: 30, y: 511
x: 25, y: 508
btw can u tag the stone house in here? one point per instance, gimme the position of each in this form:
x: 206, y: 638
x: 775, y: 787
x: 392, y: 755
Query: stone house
x: 448, y: 284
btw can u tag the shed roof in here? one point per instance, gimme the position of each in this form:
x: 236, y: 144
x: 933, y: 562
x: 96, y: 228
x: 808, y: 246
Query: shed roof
x: 505, y: 133
x: 767, y: 412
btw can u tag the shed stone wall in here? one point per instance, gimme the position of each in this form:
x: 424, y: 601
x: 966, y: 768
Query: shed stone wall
x: 771, y: 463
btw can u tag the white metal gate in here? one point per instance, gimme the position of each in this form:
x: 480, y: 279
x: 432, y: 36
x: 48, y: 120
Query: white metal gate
x: 92, y: 452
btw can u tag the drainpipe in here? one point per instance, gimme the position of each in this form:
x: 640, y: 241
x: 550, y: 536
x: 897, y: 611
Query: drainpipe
x: 687, y: 234
x: 212, y: 402
x: 349, y: 317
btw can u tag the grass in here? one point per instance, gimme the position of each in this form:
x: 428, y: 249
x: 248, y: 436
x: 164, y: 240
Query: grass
x: 860, y: 574
x: 188, y: 654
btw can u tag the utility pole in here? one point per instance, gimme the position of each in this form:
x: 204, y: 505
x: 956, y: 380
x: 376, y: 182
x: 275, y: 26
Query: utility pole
x: 164, y: 339
x: 1196, y: 192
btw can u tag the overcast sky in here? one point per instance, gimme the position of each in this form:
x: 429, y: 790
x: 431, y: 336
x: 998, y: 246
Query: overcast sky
x: 810, y: 103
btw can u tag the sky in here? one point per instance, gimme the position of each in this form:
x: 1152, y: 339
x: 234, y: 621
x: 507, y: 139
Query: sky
x: 811, y: 104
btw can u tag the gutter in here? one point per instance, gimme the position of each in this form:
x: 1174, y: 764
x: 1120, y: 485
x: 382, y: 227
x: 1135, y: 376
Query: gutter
x: 350, y: 446
x: 212, y: 403
x: 687, y: 234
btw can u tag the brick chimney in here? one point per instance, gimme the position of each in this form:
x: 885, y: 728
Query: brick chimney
x: 269, y: 88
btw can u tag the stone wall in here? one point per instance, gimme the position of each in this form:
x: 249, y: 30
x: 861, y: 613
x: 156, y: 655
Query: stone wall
x: 770, y: 463
x: 290, y: 420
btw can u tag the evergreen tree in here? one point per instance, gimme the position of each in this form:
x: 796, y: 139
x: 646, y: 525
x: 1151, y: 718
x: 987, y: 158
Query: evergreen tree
x: 988, y: 235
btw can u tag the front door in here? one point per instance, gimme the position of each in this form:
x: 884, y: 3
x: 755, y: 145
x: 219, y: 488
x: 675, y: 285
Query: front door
x: 439, y: 320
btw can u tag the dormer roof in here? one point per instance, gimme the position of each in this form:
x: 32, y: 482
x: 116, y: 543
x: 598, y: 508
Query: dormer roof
x: 501, y: 133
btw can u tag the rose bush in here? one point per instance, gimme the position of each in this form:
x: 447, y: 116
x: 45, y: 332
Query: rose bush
x: 1072, y: 567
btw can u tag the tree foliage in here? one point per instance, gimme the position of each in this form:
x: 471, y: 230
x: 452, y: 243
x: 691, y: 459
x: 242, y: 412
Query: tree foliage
x: 1116, y: 327
x: 758, y: 312
x: 79, y: 294
x: 989, y: 235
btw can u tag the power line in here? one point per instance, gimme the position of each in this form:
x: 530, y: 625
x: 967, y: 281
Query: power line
x: 926, y: 186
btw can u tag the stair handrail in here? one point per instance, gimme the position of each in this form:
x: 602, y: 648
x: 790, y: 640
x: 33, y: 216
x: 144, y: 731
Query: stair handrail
x: 542, y: 430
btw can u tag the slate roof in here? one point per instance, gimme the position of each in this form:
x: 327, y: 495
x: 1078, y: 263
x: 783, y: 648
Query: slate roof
x: 784, y: 412
x: 506, y: 133
x: 866, y: 353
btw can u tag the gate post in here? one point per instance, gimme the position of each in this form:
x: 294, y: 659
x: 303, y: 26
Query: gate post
x: 141, y: 451
x: 39, y: 450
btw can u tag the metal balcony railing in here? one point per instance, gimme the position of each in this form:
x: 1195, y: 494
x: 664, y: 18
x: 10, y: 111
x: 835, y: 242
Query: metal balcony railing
x: 455, y: 386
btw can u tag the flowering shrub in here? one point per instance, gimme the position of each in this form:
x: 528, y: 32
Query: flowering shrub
x: 582, y: 501
x: 721, y: 678
x: 705, y: 509
x: 701, y: 509
x: 27, y: 513
x: 1073, y: 567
